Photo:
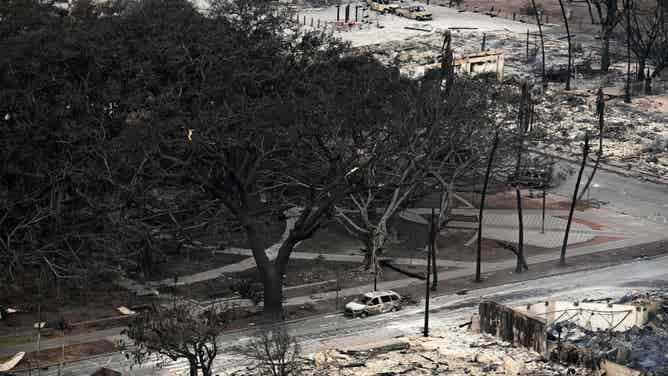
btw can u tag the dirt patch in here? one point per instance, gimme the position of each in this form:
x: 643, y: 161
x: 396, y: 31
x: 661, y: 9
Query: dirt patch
x: 195, y: 262
x: 651, y: 103
x: 73, y: 303
x: 331, y: 239
x: 452, y: 246
x: 72, y: 352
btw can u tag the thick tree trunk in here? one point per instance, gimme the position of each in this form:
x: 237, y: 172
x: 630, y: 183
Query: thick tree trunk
x: 273, y: 293
x: 642, y: 63
x: 585, y: 152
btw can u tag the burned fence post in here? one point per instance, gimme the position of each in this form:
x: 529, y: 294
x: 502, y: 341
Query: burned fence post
x: 338, y: 12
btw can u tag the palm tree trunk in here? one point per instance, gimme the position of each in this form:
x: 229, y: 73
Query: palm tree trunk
x: 585, y: 152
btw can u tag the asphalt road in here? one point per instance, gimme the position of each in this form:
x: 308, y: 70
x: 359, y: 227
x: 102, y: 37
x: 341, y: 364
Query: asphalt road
x: 335, y: 330
x: 629, y: 195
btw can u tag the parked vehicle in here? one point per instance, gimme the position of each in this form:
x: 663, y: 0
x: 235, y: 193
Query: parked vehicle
x: 373, y: 303
x: 416, y: 12
x: 382, y: 6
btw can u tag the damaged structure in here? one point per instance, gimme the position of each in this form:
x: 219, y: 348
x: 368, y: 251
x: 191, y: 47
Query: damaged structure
x: 625, y: 338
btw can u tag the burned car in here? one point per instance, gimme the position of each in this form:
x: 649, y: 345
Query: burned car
x: 373, y: 303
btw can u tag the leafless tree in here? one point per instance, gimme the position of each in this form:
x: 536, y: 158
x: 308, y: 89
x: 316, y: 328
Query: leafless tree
x: 609, y: 17
x: 542, y: 42
x: 600, y: 112
x: 628, y: 4
x: 646, y: 30
x: 570, y: 49
x: 180, y: 331
x: 276, y: 352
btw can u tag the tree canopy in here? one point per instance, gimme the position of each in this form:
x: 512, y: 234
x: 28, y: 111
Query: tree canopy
x: 131, y: 128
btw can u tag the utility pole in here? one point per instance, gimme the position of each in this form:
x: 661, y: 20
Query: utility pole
x: 542, y: 225
x: 429, y: 251
x: 627, y: 92
x: 375, y: 272
x: 338, y: 287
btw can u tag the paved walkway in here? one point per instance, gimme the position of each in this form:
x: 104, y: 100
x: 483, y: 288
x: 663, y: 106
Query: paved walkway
x: 498, y: 224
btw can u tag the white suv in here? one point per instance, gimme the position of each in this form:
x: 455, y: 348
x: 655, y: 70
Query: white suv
x: 373, y: 303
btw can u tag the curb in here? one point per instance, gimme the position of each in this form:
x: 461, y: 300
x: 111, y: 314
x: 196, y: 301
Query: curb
x: 656, y: 179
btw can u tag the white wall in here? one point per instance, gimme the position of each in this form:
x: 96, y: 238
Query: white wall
x: 592, y: 316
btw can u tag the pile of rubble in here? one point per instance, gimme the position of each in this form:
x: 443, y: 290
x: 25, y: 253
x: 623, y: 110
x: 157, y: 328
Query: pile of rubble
x: 634, y: 137
x: 642, y: 349
x: 453, y: 351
